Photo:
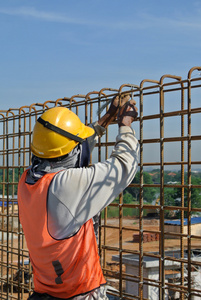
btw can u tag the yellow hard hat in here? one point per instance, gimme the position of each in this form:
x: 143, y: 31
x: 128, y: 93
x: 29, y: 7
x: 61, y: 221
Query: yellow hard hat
x: 57, y: 132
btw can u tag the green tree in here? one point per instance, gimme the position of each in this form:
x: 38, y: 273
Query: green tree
x: 149, y: 193
x: 127, y: 197
x: 170, y: 195
x: 196, y: 192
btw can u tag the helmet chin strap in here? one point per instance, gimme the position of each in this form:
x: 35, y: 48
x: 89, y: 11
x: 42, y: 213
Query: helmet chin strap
x: 56, y: 129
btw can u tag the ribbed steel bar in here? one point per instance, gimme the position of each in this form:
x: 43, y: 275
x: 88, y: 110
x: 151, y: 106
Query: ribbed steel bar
x: 141, y: 198
x: 182, y: 190
x: 120, y: 246
x: 7, y: 209
x: 141, y: 206
x: 189, y: 188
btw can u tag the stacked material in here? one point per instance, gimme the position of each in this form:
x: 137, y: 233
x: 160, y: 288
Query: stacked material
x: 147, y: 237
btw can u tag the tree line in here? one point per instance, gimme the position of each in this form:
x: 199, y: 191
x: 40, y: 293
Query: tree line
x: 172, y: 195
x: 10, y: 181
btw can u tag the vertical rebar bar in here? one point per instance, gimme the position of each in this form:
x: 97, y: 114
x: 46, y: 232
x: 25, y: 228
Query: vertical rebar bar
x: 182, y: 191
x: 7, y: 207
x: 189, y: 190
x: 141, y: 198
x: 162, y: 239
x: 120, y: 245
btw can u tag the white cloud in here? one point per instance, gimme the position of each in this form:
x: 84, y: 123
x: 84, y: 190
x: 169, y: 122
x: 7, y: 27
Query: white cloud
x: 42, y: 15
x: 141, y: 21
x: 192, y: 21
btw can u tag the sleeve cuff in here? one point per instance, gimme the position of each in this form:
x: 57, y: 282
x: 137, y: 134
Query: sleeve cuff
x: 126, y: 129
x: 99, y: 130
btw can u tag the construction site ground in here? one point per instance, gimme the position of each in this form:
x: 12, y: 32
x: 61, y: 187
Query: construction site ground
x: 112, y: 239
x: 149, y: 224
x: 127, y: 236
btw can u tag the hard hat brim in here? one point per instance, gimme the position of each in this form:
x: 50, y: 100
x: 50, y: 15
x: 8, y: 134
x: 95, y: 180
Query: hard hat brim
x: 88, y: 131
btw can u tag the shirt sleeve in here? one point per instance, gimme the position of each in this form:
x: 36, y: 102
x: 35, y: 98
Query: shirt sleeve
x: 76, y: 195
x: 99, y: 131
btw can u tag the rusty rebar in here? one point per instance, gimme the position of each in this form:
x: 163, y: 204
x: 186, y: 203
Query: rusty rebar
x: 15, y: 138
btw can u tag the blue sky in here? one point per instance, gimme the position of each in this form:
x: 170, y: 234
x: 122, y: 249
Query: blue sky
x: 52, y: 49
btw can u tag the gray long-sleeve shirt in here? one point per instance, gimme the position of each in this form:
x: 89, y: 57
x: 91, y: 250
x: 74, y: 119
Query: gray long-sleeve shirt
x: 78, y: 194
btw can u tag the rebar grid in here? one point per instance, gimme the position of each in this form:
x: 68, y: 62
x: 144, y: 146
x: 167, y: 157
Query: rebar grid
x: 172, y: 99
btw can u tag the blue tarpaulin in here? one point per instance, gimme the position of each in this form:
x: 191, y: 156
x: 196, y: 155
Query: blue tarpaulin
x: 195, y: 220
x: 5, y: 203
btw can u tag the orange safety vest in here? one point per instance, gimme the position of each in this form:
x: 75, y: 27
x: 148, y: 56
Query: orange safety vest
x: 61, y: 268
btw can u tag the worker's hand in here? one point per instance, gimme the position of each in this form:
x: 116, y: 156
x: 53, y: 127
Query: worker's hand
x: 116, y: 103
x: 112, y: 112
x: 127, y: 114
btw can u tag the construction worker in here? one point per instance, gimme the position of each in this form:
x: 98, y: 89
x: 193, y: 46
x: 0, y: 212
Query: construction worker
x: 59, y: 195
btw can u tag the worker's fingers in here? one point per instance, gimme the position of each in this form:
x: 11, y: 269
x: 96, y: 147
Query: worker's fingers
x: 121, y: 100
x: 124, y: 98
x: 130, y: 105
x: 132, y: 102
x: 131, y: 111
x: 135, y: 107
x: 121, y: 103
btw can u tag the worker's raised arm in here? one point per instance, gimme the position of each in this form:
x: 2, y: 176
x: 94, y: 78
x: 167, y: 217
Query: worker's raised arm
x: 86, y: 191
